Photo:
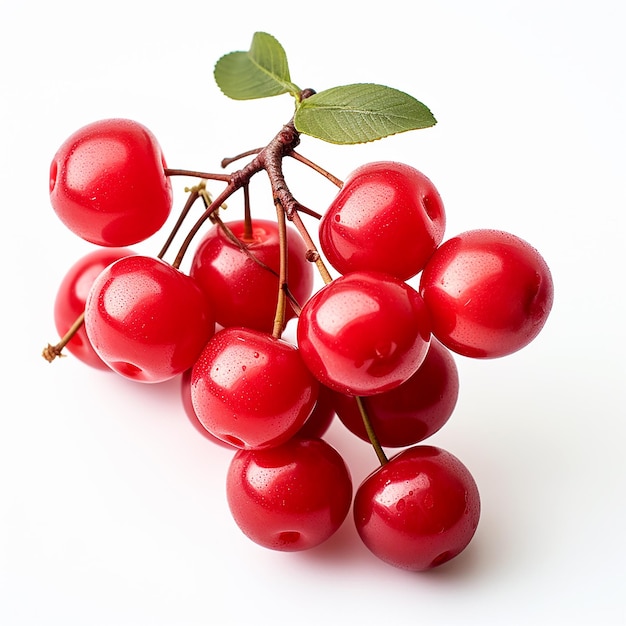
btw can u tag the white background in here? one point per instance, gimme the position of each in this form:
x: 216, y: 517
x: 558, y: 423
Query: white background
x: 112, y: 508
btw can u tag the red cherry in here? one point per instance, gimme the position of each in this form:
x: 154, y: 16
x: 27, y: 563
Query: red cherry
x: 72, y: 296
x: 251, y: 389
x: 147, y: 320
x: 315, y: 426
x: 364, y: 333
x: 489, y: 293
x: 244, y: 292
x: 291, y: 497
x: 411, y: 412
x: 419, y: 510
x: 108, y: 185
x: 190, y: 412
x: 387, y: 217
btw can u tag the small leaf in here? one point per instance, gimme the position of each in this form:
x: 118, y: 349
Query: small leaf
x: 261, y: 72
x: 360, y: 113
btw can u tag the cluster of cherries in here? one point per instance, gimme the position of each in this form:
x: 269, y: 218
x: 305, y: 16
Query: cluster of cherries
x: 369, y: 347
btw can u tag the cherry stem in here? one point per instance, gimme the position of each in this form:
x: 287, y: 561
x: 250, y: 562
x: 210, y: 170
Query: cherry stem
x: 193, y: 196
x: 242, y: 246
x: 320, y: 170
x: 247, y: 221
x: 313, y: 256
x: 279, y: 318
x: 382, y: 457
x: 51, y: 352
x: 227, y: 161
x: 270, y: 159
x: 195, y: 174
x: 213, y: 206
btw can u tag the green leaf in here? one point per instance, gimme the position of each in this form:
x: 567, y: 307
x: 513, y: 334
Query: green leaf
x: 261, y: 72
x: 360, y: 113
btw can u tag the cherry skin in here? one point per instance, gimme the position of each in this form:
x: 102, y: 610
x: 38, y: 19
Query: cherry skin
x: 147, y: 320
x: 364, y: 333
x: 190, y: 412
x: 315, y: 426
x: 251, y: 389
x: 419, y: 510
x: 243, y: 291
x: 108, y: 184
x: 489, y: 293
x: 387, y: 217
x: 291, y: 497
x: 72, y: 296
x: 411, y: 412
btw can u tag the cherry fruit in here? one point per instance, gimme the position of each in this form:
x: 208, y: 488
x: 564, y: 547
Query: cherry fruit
x: 108, y: 183
x: 489, y: 293
x: 72, y: 295
x: 387, y: 217
x: 190, y: 412
x: 241, y: 279
x: 316, y: 425
x: 368, y: 344
x: 291, y: 497
x: 419, y: 510
x: 414, y: 410
x: 364, y: 333
x: 251, y: 389
x: 147, y: 320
